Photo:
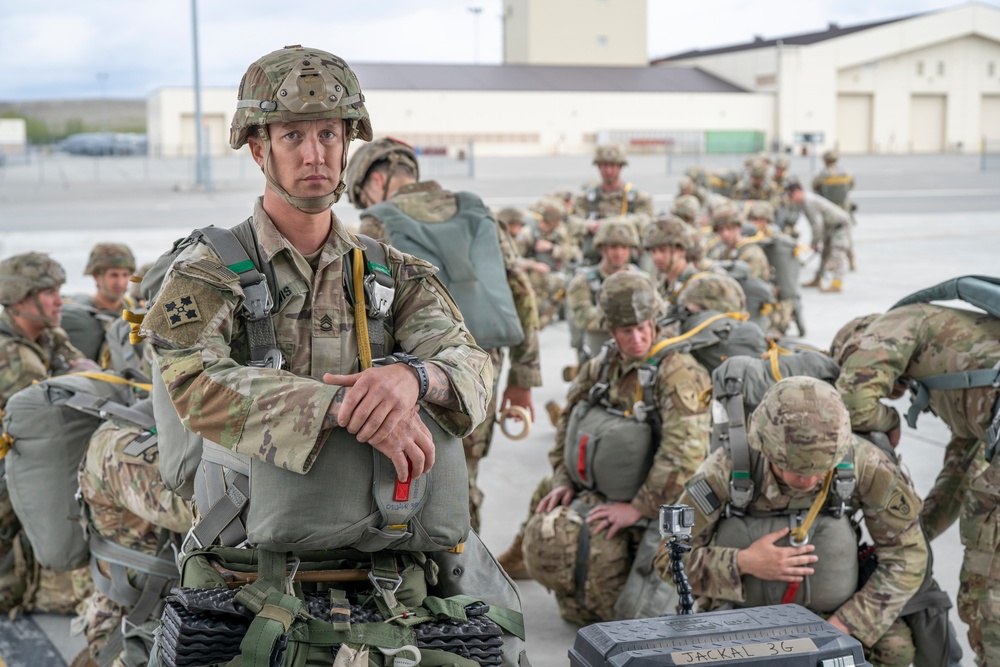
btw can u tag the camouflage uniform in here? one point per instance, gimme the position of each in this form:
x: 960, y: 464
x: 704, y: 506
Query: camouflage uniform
x: 596, y: 203
x: 428, y: 202
x: 746, y: 249
x: 831, y: 227
x: 23, y: 585
x: 762, y: 215
x: 921, y: 340
x: 277, y: 415
x: 681, y: 443
x: 549, y: 287
x: 582, y: 290
x: 757, y: 187
x: 128, y: 505
x: 83, y: 320
x: 802, y: 427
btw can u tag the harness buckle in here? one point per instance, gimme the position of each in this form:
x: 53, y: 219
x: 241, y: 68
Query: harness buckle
x: 640, y: 411
x: 378, y: 296
x: 257, y: 300
x: 794, y: 521
x: 378, y: 581
x: 190, y: 541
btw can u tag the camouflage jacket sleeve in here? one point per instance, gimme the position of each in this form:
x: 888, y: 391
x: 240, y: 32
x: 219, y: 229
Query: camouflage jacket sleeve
x: 712, y: 570
x: 581, y: 305
x: 276, y: 415
x: 525, y: 365
x: 565, y: 248
x: 684, y: 429
x: 755, y: 258
x: 578, y: 391
x: 868, y: 375
x: 892, y: 514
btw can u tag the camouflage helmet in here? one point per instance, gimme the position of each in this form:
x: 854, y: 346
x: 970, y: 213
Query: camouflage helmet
x: 628, y: 298
x: 831, y: 156
x: 698, y: 174
x: 616, y: 231
x: 845, y: 342
x: 761, y: 210
x: 801, y: 426
x: 368, y: 155
x: 668, y: 230
x: 23, y: 275
x: 510, y: 216
x: 726, y: 214
x: 686, y: 207
x: 549, y: 208
x: 758, y: 169
x: 685, y: 184
x: 610, y: 154
x: 782, y: 162
x: 109, y: 256
x: 296, y: 83
x: 713, y: 291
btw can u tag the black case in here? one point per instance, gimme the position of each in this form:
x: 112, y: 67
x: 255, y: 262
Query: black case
x: 780, y: 634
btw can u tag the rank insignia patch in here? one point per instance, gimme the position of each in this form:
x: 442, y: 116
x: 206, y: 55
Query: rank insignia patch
x: 182, y: 310
x: 326, y: 323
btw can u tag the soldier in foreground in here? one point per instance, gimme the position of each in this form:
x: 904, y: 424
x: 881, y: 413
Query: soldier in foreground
x: 315, y: 400
x: 635, y: 417
x: 611, y: 198
x: 907, y: 347
x: 86, y: 318
x: 383, y: 180
x: 744, y: 554
x: 32, y: 348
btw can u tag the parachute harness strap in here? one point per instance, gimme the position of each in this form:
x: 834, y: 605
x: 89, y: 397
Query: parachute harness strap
x: 772, y: 354
x: 360, y: 312
x: 799, y: 535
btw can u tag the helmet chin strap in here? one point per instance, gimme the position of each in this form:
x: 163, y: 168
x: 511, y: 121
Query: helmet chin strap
x: 49, y: 322
x: 304, y: 204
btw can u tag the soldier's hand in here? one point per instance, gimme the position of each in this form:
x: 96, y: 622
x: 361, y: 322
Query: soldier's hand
x: 893, y: 436
x: 541, y: 267
x: 541, y: 245
x: 409, y: 441
x: 519, y: 396
x: 613, y: 517
x: 765, y: 560
x: 376, y: 400
x: 561, y: 495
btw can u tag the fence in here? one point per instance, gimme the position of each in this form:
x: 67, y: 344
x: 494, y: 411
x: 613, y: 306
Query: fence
x: 683, y: 148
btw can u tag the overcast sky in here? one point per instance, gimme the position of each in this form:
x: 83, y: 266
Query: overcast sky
x: 129, y: 48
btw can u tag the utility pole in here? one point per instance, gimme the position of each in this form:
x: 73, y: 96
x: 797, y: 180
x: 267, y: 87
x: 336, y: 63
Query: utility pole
x: 475, y: 11
x: 102, y: 79
x: 201, y: 175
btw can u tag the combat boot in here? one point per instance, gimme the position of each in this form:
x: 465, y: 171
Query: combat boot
x: 512, y: 560
x: 834, y: 287
x: 554, y: 412
x: 815, y: 282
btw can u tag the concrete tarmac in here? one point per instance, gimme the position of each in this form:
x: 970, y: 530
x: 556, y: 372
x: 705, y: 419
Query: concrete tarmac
x: 922, y: 220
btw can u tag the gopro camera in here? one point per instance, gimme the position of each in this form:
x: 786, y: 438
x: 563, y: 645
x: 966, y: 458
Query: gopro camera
x: 676, y: 520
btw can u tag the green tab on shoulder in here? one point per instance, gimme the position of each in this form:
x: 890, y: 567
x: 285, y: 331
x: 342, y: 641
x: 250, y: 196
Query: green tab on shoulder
x: 241, y: 267
x: 373, y: 266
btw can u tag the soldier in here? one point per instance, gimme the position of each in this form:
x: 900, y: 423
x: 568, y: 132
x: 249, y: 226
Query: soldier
x: 757, y: 187
x: 611, y: 198
x: 670, y: 242
x: 835, y: 184
x: 780, y: 250
x: 86, y: 318
x: 649, y: 446
x: 830, y: 226
x: 129, y: 507
x: 688, y: 209
x: 727, y: 222
x: 741, y: 552
x: 316, y: 385
x: 908, y: 346
x: 386, y: 170
x: 615, y: 240
x: 550, y: 257
x: 32, y: 348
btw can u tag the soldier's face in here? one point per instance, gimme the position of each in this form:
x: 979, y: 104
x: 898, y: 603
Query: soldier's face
x: 610, y: 172
x: 664, y: 257
x: 615, y: 256
x: 113, y: 283
x: 47, y: 305
x: 730, y: 235
x: 635, y: 341
x: 799, y: 482
x: 306, y: 156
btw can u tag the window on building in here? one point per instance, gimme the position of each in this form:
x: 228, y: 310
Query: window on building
x: 920, y: 68
x: 940, y: 68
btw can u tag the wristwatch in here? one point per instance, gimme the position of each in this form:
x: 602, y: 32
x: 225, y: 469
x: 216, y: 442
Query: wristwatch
x: 416, y: 364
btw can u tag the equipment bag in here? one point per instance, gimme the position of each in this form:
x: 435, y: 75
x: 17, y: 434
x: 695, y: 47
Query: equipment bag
x: 467, y: 252
x: 982, y: 292
x: 759, y: 293
x: 49, y: 425
x: 86, y: 327
x: 726, y: 337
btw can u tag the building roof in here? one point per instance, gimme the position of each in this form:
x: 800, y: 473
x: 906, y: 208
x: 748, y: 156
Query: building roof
x: 833, y: 31
x: 407, y: 76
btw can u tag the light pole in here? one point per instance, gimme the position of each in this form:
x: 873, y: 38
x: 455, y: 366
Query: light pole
x: 200, y: 162
x: 102, y: 79
x: 475, y: 11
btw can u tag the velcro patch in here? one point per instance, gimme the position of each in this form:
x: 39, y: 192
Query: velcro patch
x: 900, y: 505
x: 704, y: 497
x: 181, y: 310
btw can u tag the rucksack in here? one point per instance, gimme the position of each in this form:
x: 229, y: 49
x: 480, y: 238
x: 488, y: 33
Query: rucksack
x: 470, y: 264
x: 49, y: 425
x: 982, y: 292
x: 713, y: 337
x: 759, y: 293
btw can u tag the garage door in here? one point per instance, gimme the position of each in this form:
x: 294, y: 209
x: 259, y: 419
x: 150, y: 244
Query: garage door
x: 854, y: 123
x: 990, y: 115
x: 927, y: 118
